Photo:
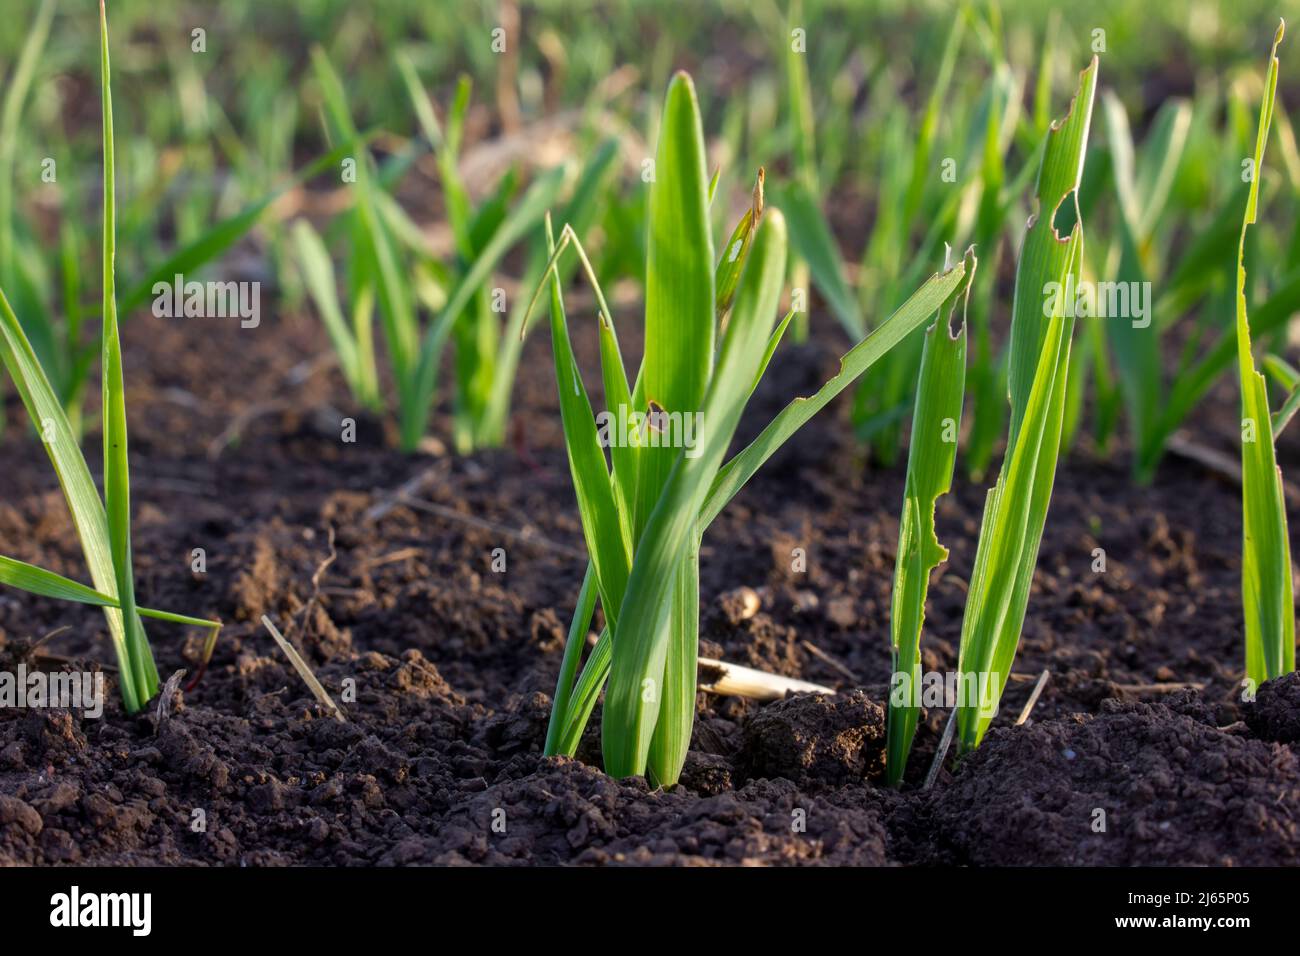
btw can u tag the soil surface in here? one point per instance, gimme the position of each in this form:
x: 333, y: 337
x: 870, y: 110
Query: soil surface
x: 1138, y: 751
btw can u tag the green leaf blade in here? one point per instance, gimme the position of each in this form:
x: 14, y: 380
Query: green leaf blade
x: 117, y: 478
x: 679, y: 295
x: 1016, y: 508
x: 636, y: 691
x: 1267, y: 590
x: 932, y: 456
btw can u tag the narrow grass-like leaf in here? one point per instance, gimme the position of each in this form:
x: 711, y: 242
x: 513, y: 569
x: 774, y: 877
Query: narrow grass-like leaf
x: 932, y: 454
x: 51, y: 422
x: 117, y: 476
x: 1016, y: 508
x: 637, y: 686
x: 539, y: 196
x: 679, y: 298
x: 397, y: 309
x: 34, y: 580
x: 591, y: 481
x: 573, y: 646
x: 318, y: 276
x: 921, y: 306
x: 578, y: 214
x: 1287, y: 376
x: 1266, y: 586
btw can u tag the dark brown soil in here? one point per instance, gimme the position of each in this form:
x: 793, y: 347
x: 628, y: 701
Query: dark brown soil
x: 453, y: 664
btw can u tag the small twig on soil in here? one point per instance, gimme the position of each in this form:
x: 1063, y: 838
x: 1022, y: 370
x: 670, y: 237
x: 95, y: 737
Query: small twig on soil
x: 525, y: 536
x: 304, y: 671
x: 400, y: 494
x: 354, y: 593
x: 1216, y: 461
x: 315, y: 579
x: 296, y: 376
x: 329, y: 559
x: 392, y: 557
x: 1240, y: 684
x: 1033, y: 697
x: 242, y: 421
x: 47, y: 636
x: 308, y: 367
x: 719, y: 677
x: 831, y: 662
x: 944, y: 743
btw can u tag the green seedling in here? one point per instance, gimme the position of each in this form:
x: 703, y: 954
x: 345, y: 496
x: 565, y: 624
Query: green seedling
x: 645, y: 510
x: 103, y: 524
x: 1266, y: 587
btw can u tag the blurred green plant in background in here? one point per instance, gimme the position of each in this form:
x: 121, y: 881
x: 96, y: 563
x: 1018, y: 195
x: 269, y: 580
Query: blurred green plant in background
x: 887, y: 128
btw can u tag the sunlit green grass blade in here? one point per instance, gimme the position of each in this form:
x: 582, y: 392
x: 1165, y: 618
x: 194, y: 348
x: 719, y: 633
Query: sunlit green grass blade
x: 624, y: 456
x: 932, y: 454
x: 522, y: 217
x: 34, y: 580
x: 1043, y: 256
x: 1281, y: 371
x: 803, y: 122
x: 318, y: 276
x: 117, y: 476
x: 1282, y: 417
x: 921, y: 306
x: 803, y: 145
x: 679, y: 297
x: 591, y: 480
x: 922, y: 168
x: 397, y: 309
x: 21, y: 268
x: 1016, y: 508
x: 637, y: 692
x: 1198, y: 267
x: 514, y: 226
x: 1195, y: 381
x: 672, y: 733
x: 1266, y: 585
x: 773, y: 343
x: 1142, y: 185
x: 573, y: 647
x: 51, y: 422
x: 586, y: 692
x: 578, y: 214
x: 1156, y: 167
